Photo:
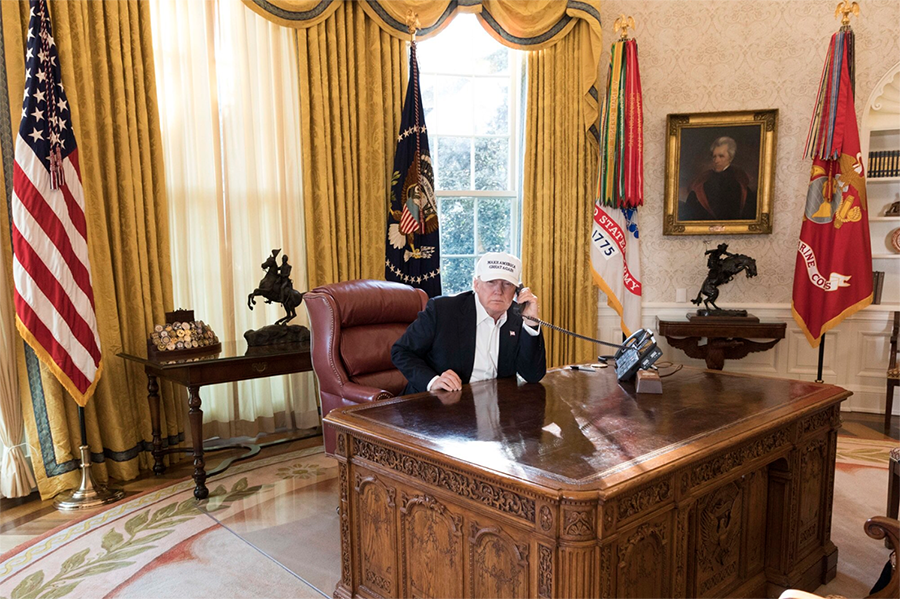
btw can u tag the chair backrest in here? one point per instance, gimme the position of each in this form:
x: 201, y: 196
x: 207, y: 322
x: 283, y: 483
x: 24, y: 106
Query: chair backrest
x: 354, y: 325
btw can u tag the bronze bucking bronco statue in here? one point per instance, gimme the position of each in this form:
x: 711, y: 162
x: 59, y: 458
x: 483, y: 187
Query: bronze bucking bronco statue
x: 723, y: 267
x: 276, y: 287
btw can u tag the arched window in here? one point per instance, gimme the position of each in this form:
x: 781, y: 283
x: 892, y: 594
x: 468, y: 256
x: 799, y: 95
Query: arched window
x: 472, y: 95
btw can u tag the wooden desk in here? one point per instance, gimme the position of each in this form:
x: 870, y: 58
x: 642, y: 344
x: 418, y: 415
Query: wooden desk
x: 726, y: 339
x: 236, y: 362
x: 577, y: 487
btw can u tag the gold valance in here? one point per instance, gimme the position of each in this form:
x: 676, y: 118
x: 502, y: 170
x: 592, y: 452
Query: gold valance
x: 533, y: 25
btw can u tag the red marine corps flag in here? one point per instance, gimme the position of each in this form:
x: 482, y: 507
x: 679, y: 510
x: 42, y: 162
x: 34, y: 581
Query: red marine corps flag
x: 54, y: 298
x: 833, y: 274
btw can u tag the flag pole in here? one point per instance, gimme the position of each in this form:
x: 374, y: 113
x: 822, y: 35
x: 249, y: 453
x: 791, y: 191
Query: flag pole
x: 89, y: 494
x: 819, y: 378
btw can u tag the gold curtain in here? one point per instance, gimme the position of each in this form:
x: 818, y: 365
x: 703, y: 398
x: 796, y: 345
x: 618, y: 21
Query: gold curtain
x: 244, y: 187
x: 106, y: 57
x: 559, y: 178
x: 533, y: 25
x: 352, y: 80
x: 351, y: 66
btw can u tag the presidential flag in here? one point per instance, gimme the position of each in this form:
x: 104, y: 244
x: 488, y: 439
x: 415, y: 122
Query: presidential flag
x: 54, y: 298
x: 412, y: 251
x: 833, y: 273
x: 615, y: 236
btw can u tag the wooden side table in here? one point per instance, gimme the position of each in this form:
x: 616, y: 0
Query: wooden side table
x: 234, y: 363
x: 727, y: 338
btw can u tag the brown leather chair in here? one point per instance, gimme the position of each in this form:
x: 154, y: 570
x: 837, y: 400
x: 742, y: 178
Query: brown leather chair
x: 354, y: 324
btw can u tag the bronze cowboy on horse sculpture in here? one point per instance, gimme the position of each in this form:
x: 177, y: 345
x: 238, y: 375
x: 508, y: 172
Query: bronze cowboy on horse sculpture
x: 723, y: 266
x: 276, y: 286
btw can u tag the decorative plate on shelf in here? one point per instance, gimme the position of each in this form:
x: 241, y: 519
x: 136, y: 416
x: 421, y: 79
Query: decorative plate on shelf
x: 895, y: 240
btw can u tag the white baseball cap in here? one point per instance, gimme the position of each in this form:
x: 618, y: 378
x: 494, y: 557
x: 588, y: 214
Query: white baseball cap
x: 499, y: 265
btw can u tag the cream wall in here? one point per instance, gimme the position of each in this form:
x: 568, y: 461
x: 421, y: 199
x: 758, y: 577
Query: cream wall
x: 717, y: 55
x: 714, y: 55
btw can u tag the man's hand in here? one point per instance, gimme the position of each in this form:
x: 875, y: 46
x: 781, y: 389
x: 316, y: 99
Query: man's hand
x: 448, y: 381
x: 448, y: 398
x: 532, y: 307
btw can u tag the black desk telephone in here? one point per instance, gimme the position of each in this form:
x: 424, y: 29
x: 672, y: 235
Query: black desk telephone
x: 638, y: 352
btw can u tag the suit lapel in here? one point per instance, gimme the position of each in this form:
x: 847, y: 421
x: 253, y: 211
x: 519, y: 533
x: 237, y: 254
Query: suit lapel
x: 466, y: 338
x: 509, y: 343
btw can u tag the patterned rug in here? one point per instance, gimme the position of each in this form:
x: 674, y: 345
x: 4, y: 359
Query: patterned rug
x: 860, y: 492
x: 269, y: 529
x: 162, y: 544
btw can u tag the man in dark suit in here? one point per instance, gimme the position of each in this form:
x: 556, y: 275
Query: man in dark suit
x: 723, y: 192
x: 476, y: 335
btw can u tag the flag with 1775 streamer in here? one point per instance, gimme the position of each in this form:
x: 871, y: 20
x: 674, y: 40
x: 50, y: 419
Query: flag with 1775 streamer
x: 615, y: 236
x: 412, y: 250
x: 833, y: 272
x: 54, y: 297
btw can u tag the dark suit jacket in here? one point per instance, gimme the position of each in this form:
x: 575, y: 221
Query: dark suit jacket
x: 724, y: 195
x: 443, y: 338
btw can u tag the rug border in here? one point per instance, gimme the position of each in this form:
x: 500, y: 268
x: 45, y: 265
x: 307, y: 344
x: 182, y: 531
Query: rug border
x: 92, y: 513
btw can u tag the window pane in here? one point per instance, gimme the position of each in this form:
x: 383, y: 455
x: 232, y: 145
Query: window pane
x: 494, y: 62
x: 464, y: 46
x: 491, y: 163
x: 454, y: 163
x: 453, y: 105
x: 494, y: 225
x: 457, y: 274
x: 426, y: 84
x: 491, y: 107
x: 457, y: 218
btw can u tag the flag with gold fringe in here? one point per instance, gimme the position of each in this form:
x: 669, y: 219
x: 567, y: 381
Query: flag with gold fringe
x: 54, y: 296
x: 412, y: 249
x: 615, y: 236
x: 833, y: 273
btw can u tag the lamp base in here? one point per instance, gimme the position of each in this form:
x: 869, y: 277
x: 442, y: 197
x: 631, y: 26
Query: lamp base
x: 89, y: 494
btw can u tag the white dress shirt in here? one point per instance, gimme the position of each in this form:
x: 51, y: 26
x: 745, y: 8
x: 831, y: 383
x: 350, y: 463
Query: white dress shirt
x: 487, y: 344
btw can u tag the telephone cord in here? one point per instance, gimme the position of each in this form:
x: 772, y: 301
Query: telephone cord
x: 567, y: 332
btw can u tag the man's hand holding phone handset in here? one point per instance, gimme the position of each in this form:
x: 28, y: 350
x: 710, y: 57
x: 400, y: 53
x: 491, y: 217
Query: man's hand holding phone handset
x: 527, y: 305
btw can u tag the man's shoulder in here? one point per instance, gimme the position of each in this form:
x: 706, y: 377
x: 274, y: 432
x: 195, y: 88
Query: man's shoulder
x: 740, y: 175
x: 451, y: 302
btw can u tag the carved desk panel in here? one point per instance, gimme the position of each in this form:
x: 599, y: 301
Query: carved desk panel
x: 580, y: 487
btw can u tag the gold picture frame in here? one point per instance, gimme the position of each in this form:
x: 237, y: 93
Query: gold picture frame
x: 720, y: 172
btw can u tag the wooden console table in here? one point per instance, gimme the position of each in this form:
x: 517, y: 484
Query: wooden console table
x: 580, y: 487
x: 726, y: 338
x: 236, y: 362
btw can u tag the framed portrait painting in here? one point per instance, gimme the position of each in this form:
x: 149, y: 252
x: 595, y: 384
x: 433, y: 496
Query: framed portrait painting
x: 720, y: 169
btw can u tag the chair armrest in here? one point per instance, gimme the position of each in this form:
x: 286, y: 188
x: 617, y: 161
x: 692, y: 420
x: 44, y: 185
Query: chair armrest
x: 880, y: 527
x: 361, y: 394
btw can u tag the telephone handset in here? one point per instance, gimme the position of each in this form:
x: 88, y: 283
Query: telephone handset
x: 517, y: 307
x: 636, y: 340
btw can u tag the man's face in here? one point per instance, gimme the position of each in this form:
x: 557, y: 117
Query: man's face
x: 721, y: 159
x: 496, y: 296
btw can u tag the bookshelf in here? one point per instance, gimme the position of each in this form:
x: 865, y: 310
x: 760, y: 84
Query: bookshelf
x: 880, y: 132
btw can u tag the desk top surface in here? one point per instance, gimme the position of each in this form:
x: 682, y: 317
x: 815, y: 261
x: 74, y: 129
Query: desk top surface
x: 578, y: 429
x: 231, y: 351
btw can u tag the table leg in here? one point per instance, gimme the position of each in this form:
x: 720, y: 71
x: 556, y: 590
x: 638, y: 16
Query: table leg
x: 196, y: 417
x: 153, y: 398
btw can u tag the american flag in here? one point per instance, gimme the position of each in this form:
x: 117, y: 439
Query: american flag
x: 54, y: 298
